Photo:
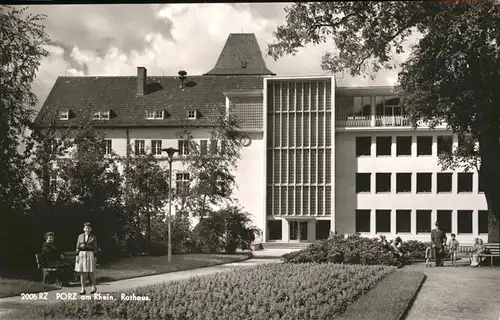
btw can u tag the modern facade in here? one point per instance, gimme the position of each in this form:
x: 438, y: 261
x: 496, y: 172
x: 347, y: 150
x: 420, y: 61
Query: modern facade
x: 322, y: 158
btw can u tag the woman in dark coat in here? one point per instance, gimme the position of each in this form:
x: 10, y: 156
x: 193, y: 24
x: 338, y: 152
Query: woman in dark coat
x: 54, y: 258
x: 86, y: 247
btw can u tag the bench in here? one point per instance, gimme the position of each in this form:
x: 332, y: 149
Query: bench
x: 494, y: 251
x: 45, y: 270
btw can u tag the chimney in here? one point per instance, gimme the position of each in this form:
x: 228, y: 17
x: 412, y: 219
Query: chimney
x: 141, y: 80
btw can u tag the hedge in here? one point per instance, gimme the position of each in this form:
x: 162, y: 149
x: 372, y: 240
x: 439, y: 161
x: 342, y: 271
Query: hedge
x: 271, y: 291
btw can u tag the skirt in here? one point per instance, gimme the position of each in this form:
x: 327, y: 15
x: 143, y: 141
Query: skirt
x: 86, y: 262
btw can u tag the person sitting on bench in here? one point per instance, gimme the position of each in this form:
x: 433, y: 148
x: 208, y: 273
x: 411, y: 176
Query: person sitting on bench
x: 54, y: 258
x: 479, y: 249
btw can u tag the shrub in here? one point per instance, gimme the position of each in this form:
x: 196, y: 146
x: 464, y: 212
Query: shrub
x: 271, y: 291
x: 181, y: 235
x: 225, y: 231
x: 351, y: 250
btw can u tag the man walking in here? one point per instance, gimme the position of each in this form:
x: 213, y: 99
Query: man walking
x: 438, y: 242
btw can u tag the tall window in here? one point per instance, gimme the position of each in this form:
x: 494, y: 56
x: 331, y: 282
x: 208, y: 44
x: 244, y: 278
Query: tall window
x: 444, y: 219
x: 403, y: 182
x: 445, y: 144
x: 464, y: 221
x: 383, y: 221
x: 423, y: 221
x: 384, y: 145
x: 363, y: 182
x: 464, y: 182
x: 183, y: 147
x: 483, y: 221
x: 424, y: 182
x: 362, y: 220
x: 403, y: 221
x: 424, y: 146
x: 362, y: 106
x: 363, y: 146
x: 108, y: 147
x: 403, y: 146
x: 480, y: 187
x: 203, y: 146
x: 140, y: 147
x: 444, y: 182
x: 156, y: 147
x: 383, y: 182
x: 213, y: 146
x: 182, y: 182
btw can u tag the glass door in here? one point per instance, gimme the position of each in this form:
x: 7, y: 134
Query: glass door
x: 294, y: 230
x: 303, y: 231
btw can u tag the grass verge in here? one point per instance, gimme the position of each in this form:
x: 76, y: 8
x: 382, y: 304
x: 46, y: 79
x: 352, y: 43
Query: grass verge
x: 14, y: 287
x: 269, y: 291
x: 389, y: 300
x: 128, y: 268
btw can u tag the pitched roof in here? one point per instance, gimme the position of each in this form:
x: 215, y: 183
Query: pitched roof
x: 241, y: 55
x: 83, y: 95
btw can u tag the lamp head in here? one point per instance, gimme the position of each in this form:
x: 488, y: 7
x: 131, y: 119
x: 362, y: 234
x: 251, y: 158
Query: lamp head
x: 170, y: 152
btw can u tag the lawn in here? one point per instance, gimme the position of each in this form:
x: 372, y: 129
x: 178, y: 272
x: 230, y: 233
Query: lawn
x: 127, y: 268
x: 270, y: 291
x: 14, y: 287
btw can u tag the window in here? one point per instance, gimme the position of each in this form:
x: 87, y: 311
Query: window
x: 150, y: 114
x: 464, y: 182
x: 64, y: 115
x: 105, y: 115
x: 480, y: 186
x: 403, y: 221
x: 275, y: 229
x: 363, y: 146
x: 362, y: 220
x: 213, y: 146
x: 192, y: 114
x: 383, y: 182
x: 466, y: 142
x: 424, y: 146
x: 423, y: 221
x: 159, y: 114
x: 483, y: 221
x: 108, y: 146
x: 464, y: 221
x: 444, y: 181
x: 403, y: 146
x: 445, y: 144
x: 383, y: 221
x: 362, y: 106
x: 444, y: 219
x: 363, y: 182
x: 156, y: 147
x: 384, y: 145
x: 140, y: 147
x: 424, y: 182
x: 403, y: 182
x: 97, y: 115
x: 204, y: 147
x: 183, y: 146
x: 53, y: 182
x: 182, y: 182
x: 54, y: 145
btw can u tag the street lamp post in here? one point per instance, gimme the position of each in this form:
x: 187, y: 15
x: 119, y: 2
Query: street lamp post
x: 170, y: 157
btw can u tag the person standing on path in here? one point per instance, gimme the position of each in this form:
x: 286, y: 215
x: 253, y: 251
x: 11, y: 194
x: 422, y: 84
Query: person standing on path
x: 437, y: 240
x: 86, y: 246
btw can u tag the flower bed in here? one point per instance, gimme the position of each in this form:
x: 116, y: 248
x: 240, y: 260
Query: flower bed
x: 272, y: 291
x: 351, y: 250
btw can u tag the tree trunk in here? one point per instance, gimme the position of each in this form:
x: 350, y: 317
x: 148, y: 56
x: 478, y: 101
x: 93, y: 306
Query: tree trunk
x: 489, y: 172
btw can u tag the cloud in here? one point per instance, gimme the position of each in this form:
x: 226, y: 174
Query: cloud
x: 113, y: 40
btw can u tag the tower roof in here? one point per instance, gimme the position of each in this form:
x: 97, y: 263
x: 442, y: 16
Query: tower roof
x: 241, y: 55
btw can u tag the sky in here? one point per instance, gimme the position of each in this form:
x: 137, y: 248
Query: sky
x: 113, y: 40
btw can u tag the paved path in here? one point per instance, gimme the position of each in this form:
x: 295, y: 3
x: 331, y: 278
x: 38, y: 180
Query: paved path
x: 9, y: 304
x: 461, y: 293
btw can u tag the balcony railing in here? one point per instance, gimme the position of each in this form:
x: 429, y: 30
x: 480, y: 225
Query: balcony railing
x: 372, y: 121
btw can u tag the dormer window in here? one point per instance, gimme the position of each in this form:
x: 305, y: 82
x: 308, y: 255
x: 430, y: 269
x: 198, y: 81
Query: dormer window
x: 159, y: 114
x: 155, y: 114
x: 64, y: 115
x: 101, y: 115
x: 104, y: 115
x: 192, y: 114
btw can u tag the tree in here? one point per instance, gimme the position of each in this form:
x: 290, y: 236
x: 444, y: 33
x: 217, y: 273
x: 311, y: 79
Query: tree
x: 450, y: 76
x: 146, y: 189
x: 21, y: 50
x: 211, y: 168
